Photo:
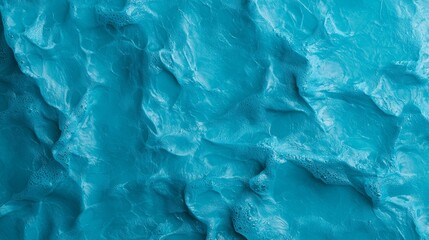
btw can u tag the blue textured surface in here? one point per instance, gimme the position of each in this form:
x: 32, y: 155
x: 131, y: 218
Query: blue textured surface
x: 258, y: 119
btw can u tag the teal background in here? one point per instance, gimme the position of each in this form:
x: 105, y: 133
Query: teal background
x: 257, y: 119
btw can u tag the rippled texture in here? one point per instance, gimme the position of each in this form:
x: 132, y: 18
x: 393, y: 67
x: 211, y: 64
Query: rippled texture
x: 257, y: 119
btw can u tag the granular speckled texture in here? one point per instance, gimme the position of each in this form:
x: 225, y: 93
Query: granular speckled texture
x: 234, y: 119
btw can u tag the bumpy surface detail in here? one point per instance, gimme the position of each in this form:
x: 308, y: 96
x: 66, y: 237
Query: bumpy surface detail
x: 235, y: 119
